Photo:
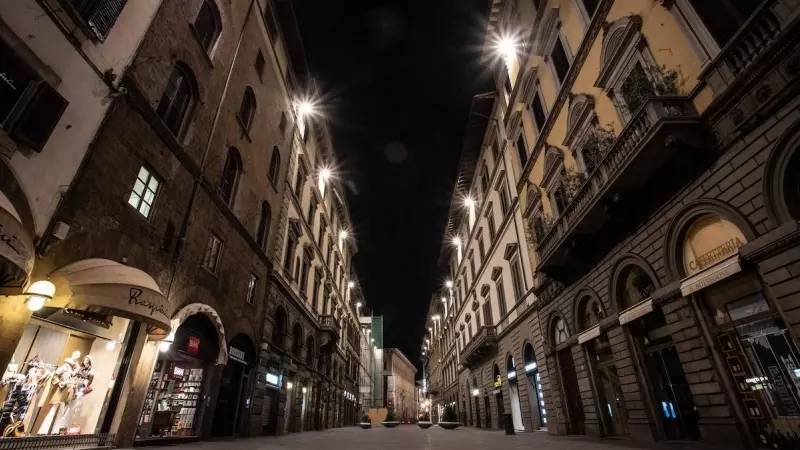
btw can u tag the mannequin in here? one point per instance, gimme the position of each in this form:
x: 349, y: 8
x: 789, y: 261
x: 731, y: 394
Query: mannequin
x: 81, y: 381
x: 61, y: 391
x: 25, y: 388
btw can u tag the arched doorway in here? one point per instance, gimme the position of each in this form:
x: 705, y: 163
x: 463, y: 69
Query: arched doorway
x: 513, y: 393
x: 600, y: 358
x: 569, y: 379
x: 535, y: 393
x: 669, y: 387
x: 498, y: 395
x: 749, y: 340
x: 178, y: 393
x: 232, y: 414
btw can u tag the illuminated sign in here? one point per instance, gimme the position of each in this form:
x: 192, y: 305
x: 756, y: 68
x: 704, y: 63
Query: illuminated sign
x: 716, y: 254
x: 193, y: 346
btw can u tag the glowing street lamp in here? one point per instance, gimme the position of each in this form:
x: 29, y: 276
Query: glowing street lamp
x: 449, y: 284
x: 507, y: 47
x: 351, y: 285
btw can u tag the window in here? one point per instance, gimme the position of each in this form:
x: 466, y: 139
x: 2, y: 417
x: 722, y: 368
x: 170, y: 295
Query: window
x: 636, y: 88
x: 99, y: 15
x: 144, y: 192
x: 247, y: 109
x: 212, y: 254
x: 252, y: 282
x: 177, y: 99
x: 539, y: 116
x: 288, y: 257
x: 481, y: 246
x: 521, y: 148
x: 485, y: 182
x: 472, y: 266
x: 590, y: 6
x: 501, y: 297
x: 312, y: 212
x: 315, y: 292
x: 505, y: 203
x: 274, y: 166
x: 487, y: 313
x: 230, y: 176
x: 560, y: 333
x: 272, y: 26
x: 724, y: 18
x: 495, y: 150
x: 516, y: 279
x: 300, y: 181
x: 263, y: 225
x: 259, y: 65
x: 490, y: 221
x: 305, y: 267
x: 559, y: 199
x: 560, y: 60
x: 208, y: 25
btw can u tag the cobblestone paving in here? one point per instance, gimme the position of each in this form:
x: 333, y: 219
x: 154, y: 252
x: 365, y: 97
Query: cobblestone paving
x: 407, y: 437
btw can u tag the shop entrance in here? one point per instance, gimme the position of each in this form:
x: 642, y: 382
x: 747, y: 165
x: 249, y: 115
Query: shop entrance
x: 232, y: 414
x: 498, y: 383
x: 610, y: 397
x: 488, y: 409
x: 176, y: 396
x: 535, y: 394
x: 763, y: 360
x: 572, y: 393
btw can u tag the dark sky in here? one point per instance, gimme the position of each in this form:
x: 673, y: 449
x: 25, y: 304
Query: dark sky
x: 397, y: 78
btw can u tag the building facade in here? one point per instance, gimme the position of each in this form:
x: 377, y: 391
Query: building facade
x: 400, y: 385
x: 161, y: 193
x: 656, y: 142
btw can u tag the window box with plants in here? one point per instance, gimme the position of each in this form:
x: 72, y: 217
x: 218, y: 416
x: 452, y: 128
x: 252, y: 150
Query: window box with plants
x: 449, y: 420
x: 390, y: 421
x: 366, y: 422
x: 425, y: 421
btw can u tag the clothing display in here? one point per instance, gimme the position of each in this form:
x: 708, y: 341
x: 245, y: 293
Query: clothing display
x: 48, y: 387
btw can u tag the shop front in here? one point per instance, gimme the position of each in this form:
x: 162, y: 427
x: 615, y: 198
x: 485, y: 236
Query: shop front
x: 233, y: 403
x: 179, y: 391
x: 538, y: 414
x: 272, y: 381
x: 67, y: 378
x: 513, y: 392
x: 750, y: 342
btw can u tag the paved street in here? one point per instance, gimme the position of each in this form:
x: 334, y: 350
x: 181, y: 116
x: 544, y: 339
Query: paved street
x: 411, y: 437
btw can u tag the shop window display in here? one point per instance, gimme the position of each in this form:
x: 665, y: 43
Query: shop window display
x: 60, y: 373
x: 176, y: 396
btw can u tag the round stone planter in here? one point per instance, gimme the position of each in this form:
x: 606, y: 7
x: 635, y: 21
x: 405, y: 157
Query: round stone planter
x: 390, y: 424
x: 425, y: 425
x: 365, y: 425
x: 449, y: 425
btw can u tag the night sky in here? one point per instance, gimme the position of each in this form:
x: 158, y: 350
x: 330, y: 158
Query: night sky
x: 397, y: 78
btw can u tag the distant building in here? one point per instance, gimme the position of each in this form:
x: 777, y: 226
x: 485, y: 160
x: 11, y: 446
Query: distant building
x: 400, y: 386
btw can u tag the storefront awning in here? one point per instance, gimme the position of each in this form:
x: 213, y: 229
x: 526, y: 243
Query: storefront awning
x: 16, y: 253
x: 101, y: 285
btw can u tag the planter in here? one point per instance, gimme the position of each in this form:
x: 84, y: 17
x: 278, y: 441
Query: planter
x: 449, y: 425
x: 365, y: 425
x: 425, y: 425
x: 390, y: 424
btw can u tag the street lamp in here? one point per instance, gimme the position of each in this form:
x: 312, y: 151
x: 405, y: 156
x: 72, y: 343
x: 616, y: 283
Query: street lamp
x: 506, y: 47
x: 449, y: 284
x: 39, y: 293
x: 351, y: 285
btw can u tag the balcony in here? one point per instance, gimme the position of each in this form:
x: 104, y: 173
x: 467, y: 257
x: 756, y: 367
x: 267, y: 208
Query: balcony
x: 482, y: 346
x: 330, y: 329
x: 640, y: 166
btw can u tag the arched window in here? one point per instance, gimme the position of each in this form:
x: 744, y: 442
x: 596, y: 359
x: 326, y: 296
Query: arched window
x: 591, y: 312
x: 511, y: 367
x: 208, y: 24
x: 178, y: 98
x: 560, y: 333
x: 279, y: 327
x: 230, y: 175
x: 274, y: 165
x: 297, y: 340
x: 248, y: 108
x: 263, y: 224
x: 529, y: 357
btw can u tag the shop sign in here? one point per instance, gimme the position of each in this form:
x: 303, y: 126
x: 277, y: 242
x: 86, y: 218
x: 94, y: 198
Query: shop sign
x: 710, y: 241
x: 193, y: 346
x: 16, y: 245
x: 715, y: 255
x: 589, y: 334
x: 635, y: 311
x: 236, y: 355
x: 710, y: 276
x: 498, y: 382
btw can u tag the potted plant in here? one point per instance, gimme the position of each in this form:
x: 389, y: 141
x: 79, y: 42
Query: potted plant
x: 390, y: 421
x: 425, y: 421
x: 366, y: 422
x: 449, y: 420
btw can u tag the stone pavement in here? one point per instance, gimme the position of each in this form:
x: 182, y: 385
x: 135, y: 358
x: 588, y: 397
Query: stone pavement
x: 408, y: 437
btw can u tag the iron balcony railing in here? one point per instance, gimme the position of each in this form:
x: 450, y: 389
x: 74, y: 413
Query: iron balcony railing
x: 482, y: 343
x: 654, y: 114
x: 329, y: 323
x: 97, y: 16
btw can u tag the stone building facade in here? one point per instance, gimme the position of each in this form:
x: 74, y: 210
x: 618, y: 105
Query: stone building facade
x: 401, y: 387
x: 660, y: 214
x: 163, y: 243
